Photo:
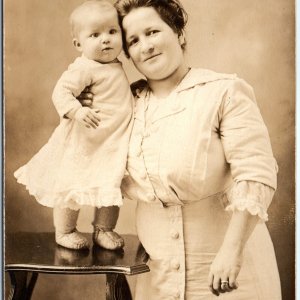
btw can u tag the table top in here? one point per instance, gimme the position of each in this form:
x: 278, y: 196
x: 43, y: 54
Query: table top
x: 32, y: 251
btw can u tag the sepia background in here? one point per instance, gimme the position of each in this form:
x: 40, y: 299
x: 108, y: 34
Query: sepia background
x: 254, y: 39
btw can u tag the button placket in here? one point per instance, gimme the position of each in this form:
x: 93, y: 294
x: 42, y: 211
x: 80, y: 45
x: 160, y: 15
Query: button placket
x: 150, y: 153
x: 150, y: 157
x: 179, y: 257
x: 144, y: 174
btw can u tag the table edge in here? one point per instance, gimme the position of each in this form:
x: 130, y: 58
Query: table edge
x: 133, y: 270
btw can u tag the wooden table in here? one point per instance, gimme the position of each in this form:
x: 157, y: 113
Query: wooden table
x: 27, y: 254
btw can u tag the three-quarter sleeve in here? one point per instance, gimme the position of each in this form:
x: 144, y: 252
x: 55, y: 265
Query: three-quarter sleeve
x: 255, y: 197
x: 248, y: 151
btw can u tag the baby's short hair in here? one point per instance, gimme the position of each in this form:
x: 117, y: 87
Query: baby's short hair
x: 77, y: 15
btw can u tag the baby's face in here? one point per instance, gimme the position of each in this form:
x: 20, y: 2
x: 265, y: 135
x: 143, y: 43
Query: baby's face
x: 99, y: 36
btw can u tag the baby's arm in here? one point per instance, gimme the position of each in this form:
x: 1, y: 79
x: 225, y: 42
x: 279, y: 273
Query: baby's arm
x: 69, y: 86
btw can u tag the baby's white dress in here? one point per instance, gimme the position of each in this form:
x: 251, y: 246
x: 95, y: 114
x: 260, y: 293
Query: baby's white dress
x: 80, y: 165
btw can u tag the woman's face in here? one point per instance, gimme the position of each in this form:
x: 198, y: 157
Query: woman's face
x: 153, y: 46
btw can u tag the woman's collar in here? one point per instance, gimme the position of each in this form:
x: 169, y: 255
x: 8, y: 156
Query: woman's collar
x: 195, y: 76
x: 198, y: 76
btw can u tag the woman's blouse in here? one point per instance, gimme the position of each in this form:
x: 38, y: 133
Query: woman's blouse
x: 206, y: 137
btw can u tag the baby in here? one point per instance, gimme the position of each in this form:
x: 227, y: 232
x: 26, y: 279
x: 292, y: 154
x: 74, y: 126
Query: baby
x: 84, y: 160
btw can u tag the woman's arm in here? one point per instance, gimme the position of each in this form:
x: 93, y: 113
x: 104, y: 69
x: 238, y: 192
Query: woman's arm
x: 248, y: 150
x: 227, y: 263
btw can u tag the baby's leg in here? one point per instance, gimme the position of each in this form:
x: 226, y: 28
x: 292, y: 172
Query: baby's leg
x: 104, y: 223
x: 66, y: 234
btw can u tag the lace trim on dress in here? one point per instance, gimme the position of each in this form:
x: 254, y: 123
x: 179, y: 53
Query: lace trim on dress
x: 73, y: 198
x: 255, y: 197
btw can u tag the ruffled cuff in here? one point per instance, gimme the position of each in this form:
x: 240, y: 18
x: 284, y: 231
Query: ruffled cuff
x: 255, y: 197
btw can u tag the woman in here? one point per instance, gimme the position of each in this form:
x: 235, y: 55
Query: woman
x: 200, y: 166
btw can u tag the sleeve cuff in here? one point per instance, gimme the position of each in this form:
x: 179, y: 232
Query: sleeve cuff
x: 71, y: 113
x: 255, y: 197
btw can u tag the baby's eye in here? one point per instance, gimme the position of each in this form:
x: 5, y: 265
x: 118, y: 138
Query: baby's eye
x: 113, y: 31
x: 94, y: 35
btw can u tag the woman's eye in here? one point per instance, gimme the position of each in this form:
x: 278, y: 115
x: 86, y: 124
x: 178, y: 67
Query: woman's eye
x: 132, y: 42
x: 152, y: 32
x: 94, y: 35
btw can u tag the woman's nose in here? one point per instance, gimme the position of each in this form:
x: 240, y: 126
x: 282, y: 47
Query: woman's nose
x: 147, y: 46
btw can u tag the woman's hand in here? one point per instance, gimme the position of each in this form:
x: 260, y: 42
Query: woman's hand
x: 227, y: 263
x: 224, y: 270
x: 88, y: 117
x: 86, y: 97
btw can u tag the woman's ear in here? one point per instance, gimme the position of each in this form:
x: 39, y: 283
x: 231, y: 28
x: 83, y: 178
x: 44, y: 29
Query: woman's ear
x: 77, y: 45
x: 181, y: 39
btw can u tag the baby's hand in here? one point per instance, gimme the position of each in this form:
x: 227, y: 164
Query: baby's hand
x: 88, y: 117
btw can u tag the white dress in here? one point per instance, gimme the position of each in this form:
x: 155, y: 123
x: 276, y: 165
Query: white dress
x: 203, y: 153
x: 79, y: 165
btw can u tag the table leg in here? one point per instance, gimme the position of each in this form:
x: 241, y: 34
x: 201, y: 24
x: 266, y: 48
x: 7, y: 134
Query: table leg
x: 117, y: 287
x: 20, y: 288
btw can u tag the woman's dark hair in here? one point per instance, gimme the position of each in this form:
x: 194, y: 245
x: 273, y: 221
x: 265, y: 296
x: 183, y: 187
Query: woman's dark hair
x: 170, y: 11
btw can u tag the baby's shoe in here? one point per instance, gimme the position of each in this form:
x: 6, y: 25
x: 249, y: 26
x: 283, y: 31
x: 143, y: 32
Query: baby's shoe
x: 72, y: 240
x: 107, y: 238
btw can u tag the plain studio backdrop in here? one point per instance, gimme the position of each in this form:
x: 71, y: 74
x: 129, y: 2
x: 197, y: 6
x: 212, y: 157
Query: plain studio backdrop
x: 255, y: 39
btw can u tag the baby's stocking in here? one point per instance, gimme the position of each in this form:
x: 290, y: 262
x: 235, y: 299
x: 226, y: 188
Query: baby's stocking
x: 66, y: 234
x: 104, y: 223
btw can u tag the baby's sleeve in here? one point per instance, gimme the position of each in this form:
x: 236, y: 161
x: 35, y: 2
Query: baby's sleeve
x: 248, y: 151
x: 70, y: 85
